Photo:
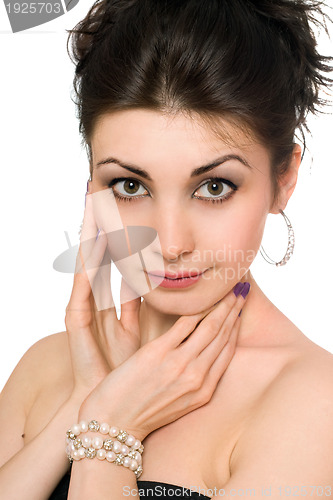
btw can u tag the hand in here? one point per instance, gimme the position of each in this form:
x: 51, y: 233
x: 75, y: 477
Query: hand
x: 98, y: 341
x: 171, y: 375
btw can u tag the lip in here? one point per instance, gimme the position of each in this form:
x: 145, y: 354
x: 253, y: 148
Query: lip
x: 182, y: 281
x: 182, y: 274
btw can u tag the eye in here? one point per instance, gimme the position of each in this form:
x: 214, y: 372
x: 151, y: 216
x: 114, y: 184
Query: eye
x: 128, y: 187
x: 216, y: 189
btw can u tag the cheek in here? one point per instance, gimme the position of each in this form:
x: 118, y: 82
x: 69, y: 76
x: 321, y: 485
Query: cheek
x: 235, y: 238
x: 249, y: 232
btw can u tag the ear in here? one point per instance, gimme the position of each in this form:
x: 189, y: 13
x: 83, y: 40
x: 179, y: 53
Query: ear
x: 287, y: 182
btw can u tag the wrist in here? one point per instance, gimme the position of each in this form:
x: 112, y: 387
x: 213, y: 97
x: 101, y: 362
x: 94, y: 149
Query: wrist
x: 93, y: 439
x: 79, y: 399
x: 88, y: 413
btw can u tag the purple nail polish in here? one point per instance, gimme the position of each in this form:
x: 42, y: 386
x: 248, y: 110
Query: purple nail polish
x: 238, y: 288
x: 240, y: 312
x: 87, y: 186
x: 246, y: 289
x: 98, y: 234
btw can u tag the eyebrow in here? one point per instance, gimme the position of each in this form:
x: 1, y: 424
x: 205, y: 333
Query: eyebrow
x: 197, y: 171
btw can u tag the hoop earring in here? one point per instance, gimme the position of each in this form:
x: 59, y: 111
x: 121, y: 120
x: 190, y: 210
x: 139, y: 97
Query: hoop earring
x: 290, y: 248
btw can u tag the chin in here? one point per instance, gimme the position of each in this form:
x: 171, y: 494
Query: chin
x: 178, y: 304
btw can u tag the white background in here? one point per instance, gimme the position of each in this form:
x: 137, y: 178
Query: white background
x: 44, y: 171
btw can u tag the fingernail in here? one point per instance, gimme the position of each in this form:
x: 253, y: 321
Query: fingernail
x: 87, y: 186
x: 238, y: 288
x: 246, y: 289
x: 98, y: 234
x: 240, y: 312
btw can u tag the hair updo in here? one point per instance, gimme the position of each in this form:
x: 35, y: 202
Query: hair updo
x: 253, y: 63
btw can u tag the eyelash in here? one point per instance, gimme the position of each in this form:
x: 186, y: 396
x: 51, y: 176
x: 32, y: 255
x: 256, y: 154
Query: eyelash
x: 210, y: 200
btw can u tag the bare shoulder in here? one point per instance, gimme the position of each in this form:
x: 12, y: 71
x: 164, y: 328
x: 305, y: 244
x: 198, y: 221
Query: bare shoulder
x: 51, y: 353
x: 308, y: 377
x: 304, y: 383
x: 311, y: 368
x: 47, y: 356
x: 43, y: 366
x: 43, y: 361
x: 288, y: 436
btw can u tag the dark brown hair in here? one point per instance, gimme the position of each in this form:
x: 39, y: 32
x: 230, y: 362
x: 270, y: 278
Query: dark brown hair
x: 253, y: 63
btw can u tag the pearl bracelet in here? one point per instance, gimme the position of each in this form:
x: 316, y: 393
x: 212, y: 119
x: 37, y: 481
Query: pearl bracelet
x: 126, y: 450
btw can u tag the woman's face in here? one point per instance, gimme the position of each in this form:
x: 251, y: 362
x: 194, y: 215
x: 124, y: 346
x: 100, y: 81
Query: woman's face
x: 210, y: 221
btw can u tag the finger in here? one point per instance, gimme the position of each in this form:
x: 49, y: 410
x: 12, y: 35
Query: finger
x: 107, y: 321
x: 213, y: 349
x: 88, y: 234
x: 102, y: 305
x: 181, y: 329
x: 209, y: 354
x: 207, y: 381
x: 101, y: 285
x: 130, y: 305
x: 79, y: 311
x: 79, y: 300
x: 223, y: 360
x: 220, y: 319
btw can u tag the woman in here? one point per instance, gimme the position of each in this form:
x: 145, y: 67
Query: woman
x: 182, y: 105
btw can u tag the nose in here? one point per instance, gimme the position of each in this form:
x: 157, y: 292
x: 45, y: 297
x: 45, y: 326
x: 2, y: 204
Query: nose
x: 175, y: 230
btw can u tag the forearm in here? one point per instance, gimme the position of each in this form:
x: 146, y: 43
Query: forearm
x: 92, y: 478
x: 34, y: 472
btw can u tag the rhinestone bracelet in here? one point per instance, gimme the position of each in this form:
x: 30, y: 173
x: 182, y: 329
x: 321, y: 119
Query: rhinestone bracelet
x: 125, y: 450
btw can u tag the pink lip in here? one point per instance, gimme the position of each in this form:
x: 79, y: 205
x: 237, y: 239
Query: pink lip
x: 182, y: 281
x: 183, y: 274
